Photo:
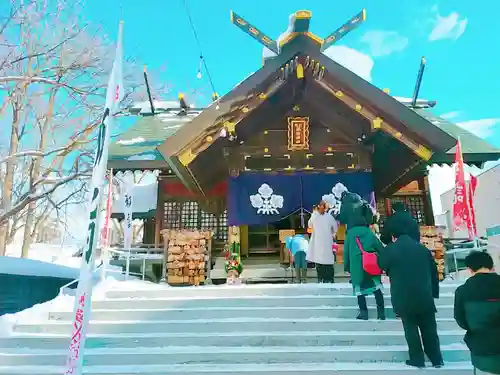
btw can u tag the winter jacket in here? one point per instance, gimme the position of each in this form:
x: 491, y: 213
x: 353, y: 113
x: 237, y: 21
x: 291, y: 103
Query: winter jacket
x: 353, y: 262
x: 477, y: 310
x: 413, y: 274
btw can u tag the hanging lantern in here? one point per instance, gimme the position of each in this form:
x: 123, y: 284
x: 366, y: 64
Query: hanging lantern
x: 300, y: 71
x: 321, y: 73
x: 182, y: 102
x: 316, y: 69
x: 308, y: 61
x: 199, y: 75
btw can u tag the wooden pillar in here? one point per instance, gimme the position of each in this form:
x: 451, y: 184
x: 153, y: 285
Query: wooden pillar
x: 388, y: 207
x: 244, y: 240
x: 423, y: 184
x: 160, y: 208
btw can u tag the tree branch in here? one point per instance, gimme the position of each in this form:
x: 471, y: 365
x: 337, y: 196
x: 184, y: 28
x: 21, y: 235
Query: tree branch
x: 32, y: 196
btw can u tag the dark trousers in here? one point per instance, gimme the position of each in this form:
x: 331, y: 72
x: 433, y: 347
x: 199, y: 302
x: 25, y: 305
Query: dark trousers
x: 425, y: 325
x: 379, y: 299
x: 326, y: 273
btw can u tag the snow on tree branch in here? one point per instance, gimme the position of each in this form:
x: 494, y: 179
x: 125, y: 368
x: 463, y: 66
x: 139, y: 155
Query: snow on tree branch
x: 34, y: 196
x: 54, y: 69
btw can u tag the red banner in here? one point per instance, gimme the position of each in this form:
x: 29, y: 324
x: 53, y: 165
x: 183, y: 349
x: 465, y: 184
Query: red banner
x: 460, y: 205
x: 472, y: 227
x: 105, y: 231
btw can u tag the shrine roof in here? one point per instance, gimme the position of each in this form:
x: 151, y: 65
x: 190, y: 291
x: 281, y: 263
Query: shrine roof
x: 473, y: 147
x: 276, y: 86
x: 137, y: 145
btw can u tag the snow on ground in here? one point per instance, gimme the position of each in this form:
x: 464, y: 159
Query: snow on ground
x: 55, y: 261
x: 47, y: 253
x: 30, y: 267
x: 64, y: 302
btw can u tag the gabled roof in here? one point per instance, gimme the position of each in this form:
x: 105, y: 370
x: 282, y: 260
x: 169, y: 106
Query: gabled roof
x: 471, y: 143
x: 428, y: 136
x: 140, y: 142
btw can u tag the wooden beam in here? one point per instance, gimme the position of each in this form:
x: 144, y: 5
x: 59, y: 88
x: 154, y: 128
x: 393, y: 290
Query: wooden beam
x: 336, y: 114
x: 282, y: 149
x: 205, y: 140
x: 185, y: 175
x: 305, y: 161
x: 255, y: 33
x: 343, y: 30
x: 377, y: 122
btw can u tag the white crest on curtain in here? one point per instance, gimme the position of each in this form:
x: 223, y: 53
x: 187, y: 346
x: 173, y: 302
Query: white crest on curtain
x: 265, y: 201
x: 334, y: 199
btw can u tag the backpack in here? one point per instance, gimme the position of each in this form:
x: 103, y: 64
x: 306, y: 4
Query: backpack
x: 369, y: 261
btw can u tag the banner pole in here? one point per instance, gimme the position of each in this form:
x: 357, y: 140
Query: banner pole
x: 107, y: 229
x: 83, y: 298
x: 128, y: 188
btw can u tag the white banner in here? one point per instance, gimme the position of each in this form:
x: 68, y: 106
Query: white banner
x: 83, y: 299
x: 128, y: 199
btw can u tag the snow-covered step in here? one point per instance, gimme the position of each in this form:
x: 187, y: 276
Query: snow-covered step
x: 228, y: 325
x: 306, y: 300
x: 236, y: 339
x: 220, y: 291
x: 142, y: 328
x: 348, y: 312
x: 229, y: 355
x: 252, y: 369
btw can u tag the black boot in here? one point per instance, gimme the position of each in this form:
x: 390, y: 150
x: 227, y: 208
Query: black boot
x: 379, y: 299
x: 409, y: 362
x: 363, y: 309
x: 363, y: 315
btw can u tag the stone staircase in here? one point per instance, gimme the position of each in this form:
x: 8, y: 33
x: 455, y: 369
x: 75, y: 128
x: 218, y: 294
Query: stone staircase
x: 255, y: 330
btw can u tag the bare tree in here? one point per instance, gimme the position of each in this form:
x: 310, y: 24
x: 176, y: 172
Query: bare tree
x: 53, y: 74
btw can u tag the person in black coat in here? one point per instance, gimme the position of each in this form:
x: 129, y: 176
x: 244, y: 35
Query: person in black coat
x: 414, y: 285
x: 477, y: 310
x: 399, y: 223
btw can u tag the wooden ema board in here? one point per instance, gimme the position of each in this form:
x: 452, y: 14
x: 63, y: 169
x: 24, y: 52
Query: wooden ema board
x: 432, y: 238
x: 186, y: 256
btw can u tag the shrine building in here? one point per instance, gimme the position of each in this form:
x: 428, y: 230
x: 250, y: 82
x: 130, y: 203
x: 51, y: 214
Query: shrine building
x: 259, y: 157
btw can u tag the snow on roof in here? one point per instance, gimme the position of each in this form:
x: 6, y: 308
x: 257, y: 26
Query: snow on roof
x: 30, y: 267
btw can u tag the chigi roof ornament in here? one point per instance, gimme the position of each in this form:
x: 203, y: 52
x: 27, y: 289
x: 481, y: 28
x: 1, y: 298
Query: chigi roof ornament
x: 298, y: 25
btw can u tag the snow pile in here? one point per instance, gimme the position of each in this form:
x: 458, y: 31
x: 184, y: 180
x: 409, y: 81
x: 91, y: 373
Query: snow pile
x: 48, y: 253
x: 40, y: 312
x: 30, y: 267
x: 37, y: 313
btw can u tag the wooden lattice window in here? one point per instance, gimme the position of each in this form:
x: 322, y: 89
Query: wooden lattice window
x: 190, y: 215
x: 172, y: 217
x: 222, y: 230
x: 415, y: 204
x: 208, y: 221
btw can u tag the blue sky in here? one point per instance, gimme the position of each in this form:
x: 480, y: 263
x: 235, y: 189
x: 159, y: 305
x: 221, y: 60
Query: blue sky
x: 456, y: 37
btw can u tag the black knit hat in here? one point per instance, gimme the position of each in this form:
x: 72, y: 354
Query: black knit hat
x: 399, y: 207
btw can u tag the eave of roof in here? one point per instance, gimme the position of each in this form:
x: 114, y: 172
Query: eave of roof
x: 139, y: 143
x: 471, y: 143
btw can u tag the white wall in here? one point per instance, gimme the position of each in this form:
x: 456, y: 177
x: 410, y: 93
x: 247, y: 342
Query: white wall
x: 486, y: 201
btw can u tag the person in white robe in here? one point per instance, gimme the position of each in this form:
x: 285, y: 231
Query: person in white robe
x: 324, y: 227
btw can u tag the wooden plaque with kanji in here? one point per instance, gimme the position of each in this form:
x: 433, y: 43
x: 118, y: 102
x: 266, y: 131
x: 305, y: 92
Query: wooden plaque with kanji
x: 298, y: 133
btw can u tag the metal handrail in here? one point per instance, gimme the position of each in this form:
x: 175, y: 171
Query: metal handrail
x: 136, y: 250
x: 483, y: 246
x: 61, y: 289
